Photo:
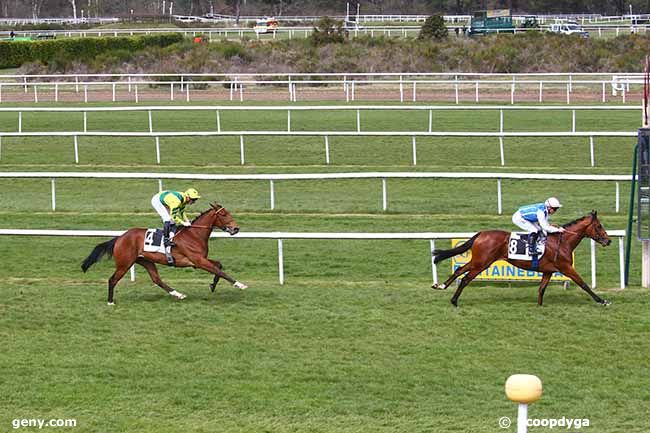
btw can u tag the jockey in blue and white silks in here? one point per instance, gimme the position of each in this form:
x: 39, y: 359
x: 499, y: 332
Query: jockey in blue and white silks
x: 534, y: 217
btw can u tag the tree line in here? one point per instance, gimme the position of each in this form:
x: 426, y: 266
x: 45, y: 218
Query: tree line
x: 126, y: 8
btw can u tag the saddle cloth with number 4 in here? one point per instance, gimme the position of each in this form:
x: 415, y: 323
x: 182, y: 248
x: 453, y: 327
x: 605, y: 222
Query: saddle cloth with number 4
x: 153, y: 241
x: 518, y: 246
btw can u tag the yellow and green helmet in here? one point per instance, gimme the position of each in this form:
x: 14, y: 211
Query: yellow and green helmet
x: 192, y: 193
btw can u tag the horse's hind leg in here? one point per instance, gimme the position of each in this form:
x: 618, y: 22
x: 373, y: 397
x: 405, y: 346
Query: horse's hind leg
x: 155, y: 277
x: 473, y: 273
x: 546, y: 277
x: 113, y: 280
x: 460, y: 271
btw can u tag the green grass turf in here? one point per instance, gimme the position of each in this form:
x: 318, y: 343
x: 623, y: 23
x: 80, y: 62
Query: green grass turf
x: 355, y: 341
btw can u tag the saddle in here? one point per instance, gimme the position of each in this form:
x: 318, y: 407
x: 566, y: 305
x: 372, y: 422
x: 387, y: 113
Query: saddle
x: 518, y: 246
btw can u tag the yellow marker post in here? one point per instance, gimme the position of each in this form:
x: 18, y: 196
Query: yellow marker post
x: 523, y: 389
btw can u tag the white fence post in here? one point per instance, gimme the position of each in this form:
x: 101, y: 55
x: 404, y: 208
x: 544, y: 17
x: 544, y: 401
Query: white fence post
x: 503, y: 159
x: 592, y: 243
x: 280, y: 262
x: 327, y: 150
x: 150, y: 123
x: 76, y: 150
x: 158, y: 150
x: 430, y: 120
x: 85, y: 121
x: 384, y: 194
x: 137, y: 99
x: 621, y: 260
x: 288, y: 120
x: 414, y: 150
x: 20, y: 121
x: 272, y: 194
x: 573, y: 120
x: 591, y: 151
x: 499, y: 201
x: 85, y: 93
x: 241, y: 149
x: 358, y: 121
x: 53, y: 195
x: 618, y: 197
x: 434, y: 269
x: 113, y: 92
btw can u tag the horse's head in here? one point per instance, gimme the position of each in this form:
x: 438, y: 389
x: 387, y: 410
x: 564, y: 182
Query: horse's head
x: 224, y: 220
x: 596, y: 231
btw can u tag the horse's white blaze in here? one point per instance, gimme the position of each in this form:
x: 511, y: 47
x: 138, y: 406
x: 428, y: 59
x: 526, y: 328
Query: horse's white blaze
x: 240, y: 285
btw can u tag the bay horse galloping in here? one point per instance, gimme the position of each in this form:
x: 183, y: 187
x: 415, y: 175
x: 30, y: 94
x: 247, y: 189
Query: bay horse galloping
x: 191, y: 250
x: 492, y: 245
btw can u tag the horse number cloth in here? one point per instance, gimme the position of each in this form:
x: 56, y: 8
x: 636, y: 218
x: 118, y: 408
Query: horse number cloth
x: 518, y: 247
x: 153, y: 241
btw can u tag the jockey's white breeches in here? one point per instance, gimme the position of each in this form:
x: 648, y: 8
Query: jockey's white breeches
x: 524, y: 224
x: 161, y: 209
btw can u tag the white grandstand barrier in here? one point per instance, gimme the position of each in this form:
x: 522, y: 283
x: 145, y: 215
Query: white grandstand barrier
x: 322, y: 176
x: 280, y: 236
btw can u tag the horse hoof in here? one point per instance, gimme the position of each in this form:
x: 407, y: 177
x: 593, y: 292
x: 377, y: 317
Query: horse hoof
x: 110, y: 303
x: 606, y: 303
x: 240, y: 286
x: 437, y: 286
x: 213, y: 287
x: 177, y: 295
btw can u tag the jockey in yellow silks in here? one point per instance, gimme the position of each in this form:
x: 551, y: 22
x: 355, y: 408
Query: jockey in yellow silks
x: 170, y: 205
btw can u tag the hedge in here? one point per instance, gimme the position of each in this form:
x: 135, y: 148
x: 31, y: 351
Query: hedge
x: 15, y: 53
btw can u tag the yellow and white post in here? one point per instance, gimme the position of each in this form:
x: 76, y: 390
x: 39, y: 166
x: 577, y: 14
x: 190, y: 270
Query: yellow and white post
x: 523, y: 389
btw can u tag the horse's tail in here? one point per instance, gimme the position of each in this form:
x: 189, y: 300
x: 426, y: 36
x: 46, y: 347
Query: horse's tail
x: 99, y: 251
x: 440, y: 255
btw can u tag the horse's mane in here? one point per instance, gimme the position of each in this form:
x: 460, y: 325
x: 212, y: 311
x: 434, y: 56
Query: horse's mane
x: 577, y: 220
x: 205, y: 212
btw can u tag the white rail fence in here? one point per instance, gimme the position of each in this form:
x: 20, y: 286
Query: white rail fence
x: 281, y: 236
x: 273, y: 178
x: 428, y: 130
x: 294, y: 32
x: 404, y: 84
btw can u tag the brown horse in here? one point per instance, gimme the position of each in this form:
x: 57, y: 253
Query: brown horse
x: 191, y: 250
x: 489, y: 246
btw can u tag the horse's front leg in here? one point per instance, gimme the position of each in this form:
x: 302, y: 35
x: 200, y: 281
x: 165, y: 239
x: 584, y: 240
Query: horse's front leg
x: 210, y: 266
x: 216, y: 278
x: 571, y: 273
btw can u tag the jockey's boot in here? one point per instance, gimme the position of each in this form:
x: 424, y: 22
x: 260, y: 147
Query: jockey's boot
x: 169, y: 230
x: 532, y: 244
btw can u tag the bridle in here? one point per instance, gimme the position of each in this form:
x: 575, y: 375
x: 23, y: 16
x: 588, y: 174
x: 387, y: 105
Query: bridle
x: 221, y: 208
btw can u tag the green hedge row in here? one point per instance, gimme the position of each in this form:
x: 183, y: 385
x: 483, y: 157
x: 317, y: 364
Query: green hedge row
x: 15, y: 53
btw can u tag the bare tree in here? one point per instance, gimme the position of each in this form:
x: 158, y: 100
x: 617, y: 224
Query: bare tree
x: 73, y: 3
x: 36, y: 6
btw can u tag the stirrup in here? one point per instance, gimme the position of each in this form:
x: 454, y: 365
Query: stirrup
x: 170, y: 259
